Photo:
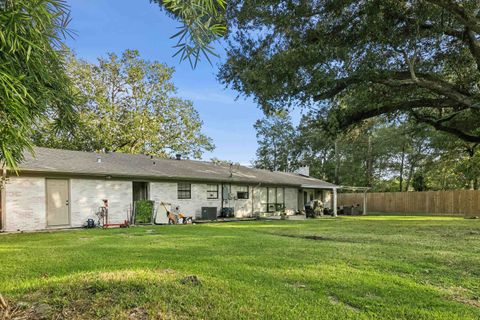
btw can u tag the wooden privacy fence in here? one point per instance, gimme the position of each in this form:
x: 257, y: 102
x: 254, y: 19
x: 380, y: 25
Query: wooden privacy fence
x: 455, y: 202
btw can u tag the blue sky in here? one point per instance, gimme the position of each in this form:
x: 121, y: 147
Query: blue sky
x: 115, y: 25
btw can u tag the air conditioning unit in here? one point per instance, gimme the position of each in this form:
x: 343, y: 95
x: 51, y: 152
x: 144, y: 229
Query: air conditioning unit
x: 209, y: 213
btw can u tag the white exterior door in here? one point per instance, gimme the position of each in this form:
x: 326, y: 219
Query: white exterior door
x: 57, y: 202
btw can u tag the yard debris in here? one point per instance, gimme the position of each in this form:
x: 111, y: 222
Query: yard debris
x: 6, y: 311
x: 16, y: 311
x: 194, y: 280
x: 3, y: 303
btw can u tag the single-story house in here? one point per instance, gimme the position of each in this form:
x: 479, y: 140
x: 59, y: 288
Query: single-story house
x: 60, y: 188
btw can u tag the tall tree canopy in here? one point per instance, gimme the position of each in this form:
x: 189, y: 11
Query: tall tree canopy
x: 276, y: 148
x: 128, y: 104
x: 361, y: 59
x: 399, y: 155
x: 33, y: 83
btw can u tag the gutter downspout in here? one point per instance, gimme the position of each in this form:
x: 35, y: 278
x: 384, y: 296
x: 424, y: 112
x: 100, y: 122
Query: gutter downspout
x: 221, y: 199
x: 252, y: 197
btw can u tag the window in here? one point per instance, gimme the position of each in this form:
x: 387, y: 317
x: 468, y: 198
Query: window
x: 242, y: 192
x: 184, y: 191
x: 280, y: 195
x: 212, y: 191
x: 275, y: 199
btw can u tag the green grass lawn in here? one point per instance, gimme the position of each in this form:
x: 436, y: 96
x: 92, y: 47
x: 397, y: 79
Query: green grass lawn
x: 373, y: 267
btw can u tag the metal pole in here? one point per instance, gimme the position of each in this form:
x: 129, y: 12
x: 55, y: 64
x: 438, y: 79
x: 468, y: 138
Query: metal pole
x: 334, y: 202
x: 365, y: 202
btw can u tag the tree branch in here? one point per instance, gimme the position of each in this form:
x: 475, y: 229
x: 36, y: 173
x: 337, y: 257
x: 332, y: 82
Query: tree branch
x: 359, y: 115
x: 466, y: 36
x: 441, y: 127
x: 395, y: 78
x: 473, y: 45
x: 464, y: 16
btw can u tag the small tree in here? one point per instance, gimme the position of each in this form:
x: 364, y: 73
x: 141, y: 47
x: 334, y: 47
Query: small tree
x: 419, y: 182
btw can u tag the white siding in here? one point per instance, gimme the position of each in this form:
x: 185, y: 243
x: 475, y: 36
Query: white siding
x: 25, y: 204
x: 86, y: 198
x: 167, y: 192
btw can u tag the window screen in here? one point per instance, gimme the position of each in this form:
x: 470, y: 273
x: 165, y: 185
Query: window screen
x: 184, y: 191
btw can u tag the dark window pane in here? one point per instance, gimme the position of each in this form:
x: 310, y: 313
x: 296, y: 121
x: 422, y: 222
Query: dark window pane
x: 184, y: 191
x: 243, y: 192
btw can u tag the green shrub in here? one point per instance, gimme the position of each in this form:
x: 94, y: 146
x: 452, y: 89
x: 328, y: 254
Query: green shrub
x: 143, y: 211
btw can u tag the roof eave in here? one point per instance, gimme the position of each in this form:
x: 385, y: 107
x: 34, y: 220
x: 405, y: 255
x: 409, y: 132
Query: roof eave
x: 106, y: 175
x: 318, y: 186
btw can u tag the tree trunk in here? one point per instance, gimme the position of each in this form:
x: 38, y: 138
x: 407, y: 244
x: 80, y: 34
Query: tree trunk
x: 410, y: 175
x: 337, y: 163
x: 402, y: 164
x: 369, y: 162
x: 444, y: 179
x: 274, y: 155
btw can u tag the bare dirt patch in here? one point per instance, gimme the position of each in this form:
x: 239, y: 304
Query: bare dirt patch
x: 465, y: 296
x: 300, y: 236
x: 334, y: 300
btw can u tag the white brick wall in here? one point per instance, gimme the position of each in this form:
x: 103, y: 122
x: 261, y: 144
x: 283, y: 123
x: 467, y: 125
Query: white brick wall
x: 167, y: 192
x: 25, y: 204
x: 86, y: 197
x: 242, y: 207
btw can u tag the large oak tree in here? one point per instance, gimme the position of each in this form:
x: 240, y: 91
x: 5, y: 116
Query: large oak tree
x: 360, y: 59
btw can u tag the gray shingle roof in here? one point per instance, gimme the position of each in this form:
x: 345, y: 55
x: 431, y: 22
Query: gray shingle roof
x: 145, y: 167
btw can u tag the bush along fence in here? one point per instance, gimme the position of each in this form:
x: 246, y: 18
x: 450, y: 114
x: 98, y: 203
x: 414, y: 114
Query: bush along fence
x: 456, y: 202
